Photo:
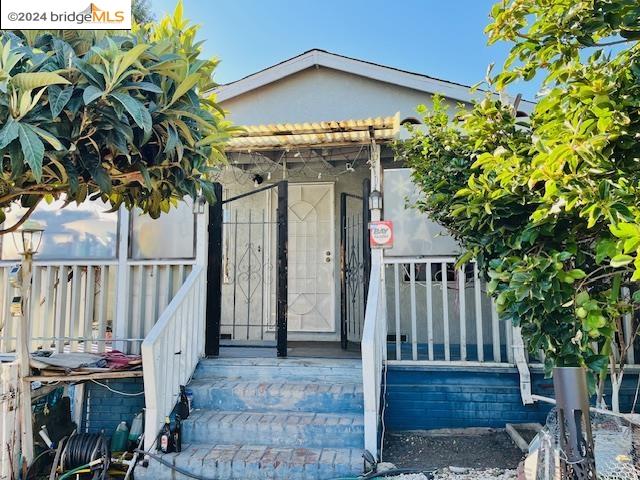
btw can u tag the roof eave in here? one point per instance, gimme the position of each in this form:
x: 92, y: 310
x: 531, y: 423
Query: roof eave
x: 349, y: 65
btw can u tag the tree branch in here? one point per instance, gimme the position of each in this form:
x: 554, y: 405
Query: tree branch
x: 24, y: 218
x: 613, y: 42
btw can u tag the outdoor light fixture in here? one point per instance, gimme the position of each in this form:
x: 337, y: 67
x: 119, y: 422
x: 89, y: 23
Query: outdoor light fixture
x: 375, y: 200
x: 199, y: 204
x: 257, y: 180
x: 27, y: 238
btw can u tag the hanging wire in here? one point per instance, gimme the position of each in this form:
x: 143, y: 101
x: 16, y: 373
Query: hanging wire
x: 126, y: 394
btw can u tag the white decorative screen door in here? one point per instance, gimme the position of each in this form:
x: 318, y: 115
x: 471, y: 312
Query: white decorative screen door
x: 311, y: 299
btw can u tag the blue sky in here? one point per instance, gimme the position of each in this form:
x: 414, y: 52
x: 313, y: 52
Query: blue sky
x: 440, y: 38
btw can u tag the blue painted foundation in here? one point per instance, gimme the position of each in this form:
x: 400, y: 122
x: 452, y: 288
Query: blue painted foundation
x: 429, y: 397
x: 104, y: 410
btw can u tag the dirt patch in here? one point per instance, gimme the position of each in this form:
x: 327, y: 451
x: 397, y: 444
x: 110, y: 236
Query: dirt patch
x: 422, y: 450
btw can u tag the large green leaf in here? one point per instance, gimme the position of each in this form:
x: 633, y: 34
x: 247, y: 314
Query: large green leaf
x: 8, y: 133
x: 102, y: 178
x: 147, y: 86
x: 137, y: 110
x: 32, y: 149
x: 31, y: 80
x: 90, y: 94
x: 90, y: 73
x: 48, y: 137
x: 187, y: 84
x: 58, y: 99
x: 125, y: 60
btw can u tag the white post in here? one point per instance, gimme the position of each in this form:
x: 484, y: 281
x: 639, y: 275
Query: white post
x: 376, y: 178
x: 370, y: 360
x: 120, y: 323
x: 520, y: 359
x: 202, y: 221
x: 23, y: 362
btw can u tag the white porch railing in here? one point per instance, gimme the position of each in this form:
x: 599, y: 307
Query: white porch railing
x: 172, y: 349
x: 9, y: 421
x: 374, y: 352
x: 435, y: 314
x: 73, y: 303
x: 440, y: 313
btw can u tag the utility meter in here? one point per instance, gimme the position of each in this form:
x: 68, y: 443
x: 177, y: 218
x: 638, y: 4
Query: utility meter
x: 16, y: 307
x: 15, y: 277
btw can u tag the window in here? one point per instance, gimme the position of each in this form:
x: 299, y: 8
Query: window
x: 73, y: 232
x: 168, y: 237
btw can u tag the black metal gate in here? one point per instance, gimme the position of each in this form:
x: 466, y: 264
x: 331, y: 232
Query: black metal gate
x: 244, y: 277
x: 355, y: 263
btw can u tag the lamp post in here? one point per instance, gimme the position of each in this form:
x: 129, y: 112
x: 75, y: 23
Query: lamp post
x: 27, y: 241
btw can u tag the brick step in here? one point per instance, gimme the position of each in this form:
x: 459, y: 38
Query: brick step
x: 254, y: 462
x: 299, y: 369
x: 286, y: 429
x: 282, y: 396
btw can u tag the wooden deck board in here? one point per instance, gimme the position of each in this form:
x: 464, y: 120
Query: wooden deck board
x: 79, y: 377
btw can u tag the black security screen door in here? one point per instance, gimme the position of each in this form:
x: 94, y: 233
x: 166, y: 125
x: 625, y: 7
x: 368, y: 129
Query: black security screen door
x: 244, y: 271
x: 355, y: 263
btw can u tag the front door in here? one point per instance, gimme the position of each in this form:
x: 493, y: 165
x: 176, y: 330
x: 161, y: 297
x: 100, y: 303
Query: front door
x: 311, y: 279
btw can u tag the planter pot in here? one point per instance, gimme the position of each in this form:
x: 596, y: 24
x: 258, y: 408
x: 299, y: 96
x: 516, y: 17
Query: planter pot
x: 574, y: 424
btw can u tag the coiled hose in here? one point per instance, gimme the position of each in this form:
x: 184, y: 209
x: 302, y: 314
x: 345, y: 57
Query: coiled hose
x: 87, y: 449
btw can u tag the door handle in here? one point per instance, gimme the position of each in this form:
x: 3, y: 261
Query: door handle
x: 327, y: 256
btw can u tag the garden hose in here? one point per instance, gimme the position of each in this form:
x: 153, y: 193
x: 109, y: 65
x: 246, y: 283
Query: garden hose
x: 86, y: 449
x: 182, y: 471
x: 80, y: 469
x: 35, y: 460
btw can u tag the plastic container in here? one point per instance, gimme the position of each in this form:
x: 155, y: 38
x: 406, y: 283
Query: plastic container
x: 120, y: 437
x: 136, y: 428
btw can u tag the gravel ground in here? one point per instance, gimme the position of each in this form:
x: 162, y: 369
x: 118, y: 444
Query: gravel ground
x: 463, y: 474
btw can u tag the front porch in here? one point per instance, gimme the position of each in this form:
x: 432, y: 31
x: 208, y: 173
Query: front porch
x: 260, y: 283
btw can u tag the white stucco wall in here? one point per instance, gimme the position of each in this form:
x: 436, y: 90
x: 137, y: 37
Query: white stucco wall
x: 319, y: 93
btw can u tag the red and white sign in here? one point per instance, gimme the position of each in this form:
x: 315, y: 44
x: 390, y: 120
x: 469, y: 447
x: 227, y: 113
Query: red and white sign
x: 381, y: 234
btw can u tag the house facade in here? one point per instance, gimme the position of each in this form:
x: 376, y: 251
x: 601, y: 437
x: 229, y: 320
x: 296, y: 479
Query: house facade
x: 312, y: 337
x: 304, y: 91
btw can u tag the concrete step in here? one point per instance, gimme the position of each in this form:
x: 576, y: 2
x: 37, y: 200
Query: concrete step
x: 237, y: 395
x: 255, y: 462
x: 286, y: 429
x: 335, y: 370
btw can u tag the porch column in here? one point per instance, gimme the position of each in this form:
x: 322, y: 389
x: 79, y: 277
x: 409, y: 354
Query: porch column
x: 202, y: 238
x: 120, y: 325
x: 376, y: 178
